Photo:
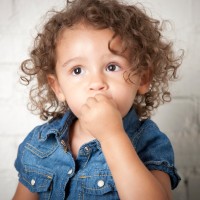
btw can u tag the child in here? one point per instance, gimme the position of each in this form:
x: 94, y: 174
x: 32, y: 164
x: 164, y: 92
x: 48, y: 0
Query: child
x: 101, y: 68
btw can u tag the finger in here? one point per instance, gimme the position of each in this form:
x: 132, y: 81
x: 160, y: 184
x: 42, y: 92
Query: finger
x: 110, y: 100
x: 114, y: 103
x: 100, y: 97
x: 91, y: 101
x: 84, y: 109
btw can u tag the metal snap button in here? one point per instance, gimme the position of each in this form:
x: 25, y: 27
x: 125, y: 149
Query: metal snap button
x: 32, y: 182
x: 70, y: 172
x: 100, y: 183
x: 86, y: 149
x: 64, y: 145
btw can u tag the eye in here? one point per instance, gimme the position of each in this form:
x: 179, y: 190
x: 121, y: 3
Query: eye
x: 113, y: 68
x: 77, y: 71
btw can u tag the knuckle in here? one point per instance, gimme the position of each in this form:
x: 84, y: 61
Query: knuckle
x: 100, y: 96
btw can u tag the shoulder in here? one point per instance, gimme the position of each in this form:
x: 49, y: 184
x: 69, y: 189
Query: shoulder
x: 32, y: 139
x: 152, y: 145
x: 37, y: 141
x: 42, y: 133
x: 149, y: 134
x: 42, y: 141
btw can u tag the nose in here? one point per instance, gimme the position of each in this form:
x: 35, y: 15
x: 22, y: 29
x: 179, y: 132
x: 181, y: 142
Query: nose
x: 98, y: 82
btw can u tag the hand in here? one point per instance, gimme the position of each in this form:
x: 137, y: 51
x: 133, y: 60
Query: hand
x: 101, y: 117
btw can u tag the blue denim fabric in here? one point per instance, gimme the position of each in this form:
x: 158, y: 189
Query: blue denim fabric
x: 47, y: 167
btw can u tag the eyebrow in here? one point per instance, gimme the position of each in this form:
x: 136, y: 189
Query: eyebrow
x: 70, y: 60
x: 116, y: 56
x: 81, y: 58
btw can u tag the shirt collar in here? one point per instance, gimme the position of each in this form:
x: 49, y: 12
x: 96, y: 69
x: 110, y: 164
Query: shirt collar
x: 57, y: 126
x: 131, y: 122
x: 60, y: 126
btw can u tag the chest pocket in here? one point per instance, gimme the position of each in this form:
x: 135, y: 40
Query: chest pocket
x: 98, y: 187
x: 38, y: 180
x: 42, y: 147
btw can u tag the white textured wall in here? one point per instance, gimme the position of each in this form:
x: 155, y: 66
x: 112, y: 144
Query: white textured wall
x: 179, y: 119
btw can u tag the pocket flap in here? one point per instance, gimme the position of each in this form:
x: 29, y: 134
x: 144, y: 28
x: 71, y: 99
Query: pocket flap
x: 37, y: 179
x: 98, y: 185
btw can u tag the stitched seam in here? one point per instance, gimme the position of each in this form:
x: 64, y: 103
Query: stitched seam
x: 27, y: 181
x: 83, y: 176
x: 32, y: 171
x: 98, y: 189
x: 38, y: 152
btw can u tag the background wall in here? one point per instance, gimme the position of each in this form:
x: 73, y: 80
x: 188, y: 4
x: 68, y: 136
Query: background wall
x: 179, y: 119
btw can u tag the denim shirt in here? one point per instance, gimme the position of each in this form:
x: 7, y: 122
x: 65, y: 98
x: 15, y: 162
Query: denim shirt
x: 46, y: 165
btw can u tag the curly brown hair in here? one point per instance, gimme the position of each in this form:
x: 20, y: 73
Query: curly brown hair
x: 140, y: 34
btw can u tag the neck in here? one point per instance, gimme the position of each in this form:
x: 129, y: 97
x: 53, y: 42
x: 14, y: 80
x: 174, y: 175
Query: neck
x: 77, y: 137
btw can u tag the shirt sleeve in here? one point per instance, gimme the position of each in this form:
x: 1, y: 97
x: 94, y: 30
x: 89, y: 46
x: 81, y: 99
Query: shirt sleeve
x: 19, y: 162
x: 156, y: 152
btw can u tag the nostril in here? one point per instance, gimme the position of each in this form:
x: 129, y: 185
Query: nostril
x: 98, y: 86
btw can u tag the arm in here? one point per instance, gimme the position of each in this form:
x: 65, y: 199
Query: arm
x: 22, y: 193
x: 133, y: 180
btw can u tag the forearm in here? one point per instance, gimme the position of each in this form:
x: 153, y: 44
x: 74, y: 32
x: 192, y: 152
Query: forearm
x: 22, y: 193
x: 133, y: 180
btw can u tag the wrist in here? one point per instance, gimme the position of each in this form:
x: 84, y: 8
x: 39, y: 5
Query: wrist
x: 112, y: 139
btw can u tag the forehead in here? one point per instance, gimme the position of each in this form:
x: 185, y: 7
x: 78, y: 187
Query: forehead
x: 113, y: 41
x: 83, y: 28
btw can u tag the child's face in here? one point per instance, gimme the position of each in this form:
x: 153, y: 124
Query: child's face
x: 85, y: 67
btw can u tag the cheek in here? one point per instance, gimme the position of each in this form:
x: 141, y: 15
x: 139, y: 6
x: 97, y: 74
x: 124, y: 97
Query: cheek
x: 75, y: 102
x: 124, y: 98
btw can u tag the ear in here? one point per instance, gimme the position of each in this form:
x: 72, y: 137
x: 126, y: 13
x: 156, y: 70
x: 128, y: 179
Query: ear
x: 55, y: 86
x: 145, y: 82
